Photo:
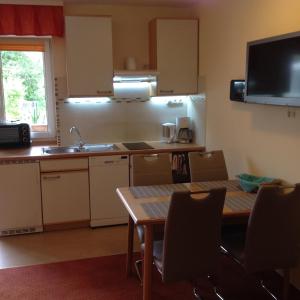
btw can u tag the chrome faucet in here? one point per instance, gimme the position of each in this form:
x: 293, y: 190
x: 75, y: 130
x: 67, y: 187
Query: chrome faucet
x: 81, y: 142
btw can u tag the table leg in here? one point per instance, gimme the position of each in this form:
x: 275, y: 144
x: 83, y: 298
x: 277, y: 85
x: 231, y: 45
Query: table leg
x: 129, y: 246
x: 147, y: 267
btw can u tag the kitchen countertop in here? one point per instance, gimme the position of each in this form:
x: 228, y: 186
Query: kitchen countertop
x: 36, y: 152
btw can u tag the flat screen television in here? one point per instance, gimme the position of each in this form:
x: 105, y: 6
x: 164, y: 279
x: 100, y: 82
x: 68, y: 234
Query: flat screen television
x: 273, y: 70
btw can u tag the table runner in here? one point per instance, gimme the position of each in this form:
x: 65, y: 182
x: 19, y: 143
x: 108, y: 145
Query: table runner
x: 168, y: 189
x: 235, y: 202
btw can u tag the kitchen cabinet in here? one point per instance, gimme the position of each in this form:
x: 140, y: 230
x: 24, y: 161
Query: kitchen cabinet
x: 20, y: 198
x: 65, y: 192
x: 174, y: 54
x: 89, y: 56
x: 107, y: 173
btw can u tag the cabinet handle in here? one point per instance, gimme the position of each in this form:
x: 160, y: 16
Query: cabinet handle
x: 108, y: 161
x: 104, y: 92
x: 167, y: 91
x: 51, y: 177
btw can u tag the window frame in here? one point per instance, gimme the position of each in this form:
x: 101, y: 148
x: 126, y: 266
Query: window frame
x: 49, y: 85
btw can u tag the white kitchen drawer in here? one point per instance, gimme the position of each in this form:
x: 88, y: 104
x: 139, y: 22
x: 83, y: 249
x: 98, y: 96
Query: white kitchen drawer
x: 52, y: 165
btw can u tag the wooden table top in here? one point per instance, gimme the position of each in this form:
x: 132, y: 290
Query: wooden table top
x: 136, y: 205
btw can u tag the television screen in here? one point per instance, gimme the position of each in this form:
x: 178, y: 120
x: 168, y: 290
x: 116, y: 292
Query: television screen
x: 273, y: 71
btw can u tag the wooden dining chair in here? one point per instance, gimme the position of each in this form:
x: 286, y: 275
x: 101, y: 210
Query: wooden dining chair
x: 207, y: 166
x: 182, y: 256
x: 272, y: 239
x: 153, y: 169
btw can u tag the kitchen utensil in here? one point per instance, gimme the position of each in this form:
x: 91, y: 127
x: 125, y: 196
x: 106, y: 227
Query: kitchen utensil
x: 168, y: 132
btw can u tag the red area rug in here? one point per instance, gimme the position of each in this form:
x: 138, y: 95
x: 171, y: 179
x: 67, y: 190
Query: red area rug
x: 104, y: 278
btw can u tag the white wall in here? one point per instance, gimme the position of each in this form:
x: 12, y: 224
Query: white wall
x: 257, y: 139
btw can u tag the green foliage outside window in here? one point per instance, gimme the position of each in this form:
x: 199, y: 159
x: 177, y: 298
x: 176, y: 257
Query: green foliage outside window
x: 23, y: 80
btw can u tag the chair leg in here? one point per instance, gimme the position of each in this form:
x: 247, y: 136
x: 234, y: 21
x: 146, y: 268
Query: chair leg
x: 196, y: 289
x: 286, y: 286
x: 267, y: 290
x: 227, y: 253
x: 138, y: 267
x: 213, y: 280
x: 196, y: 294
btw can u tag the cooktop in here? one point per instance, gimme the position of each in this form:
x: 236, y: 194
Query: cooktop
x: 137, y: 146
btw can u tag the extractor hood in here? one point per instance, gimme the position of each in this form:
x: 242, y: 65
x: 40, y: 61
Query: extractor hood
x: 134, y: 85
x: 135, y: 76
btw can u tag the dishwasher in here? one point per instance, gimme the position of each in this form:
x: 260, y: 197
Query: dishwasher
x: 106, y: 174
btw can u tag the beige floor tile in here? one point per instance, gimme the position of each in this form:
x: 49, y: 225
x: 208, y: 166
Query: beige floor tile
x: 64, y: 245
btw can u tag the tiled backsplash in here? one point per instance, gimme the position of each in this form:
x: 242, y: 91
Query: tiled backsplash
x: 115, y: 122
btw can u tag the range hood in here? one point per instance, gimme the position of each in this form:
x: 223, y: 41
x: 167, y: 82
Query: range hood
x: 134, y: 85
x: 135, y: 76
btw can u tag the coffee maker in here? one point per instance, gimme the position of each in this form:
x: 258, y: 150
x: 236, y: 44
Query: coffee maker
x: 184, y: 133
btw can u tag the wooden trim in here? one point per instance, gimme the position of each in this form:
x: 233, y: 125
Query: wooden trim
x: 42, y: 142
x: 129, y: 246
x: 198, y: 43
x: 148, y: 258
x: 153, y: 44
x: 22, y: 47
x: 67, y: 225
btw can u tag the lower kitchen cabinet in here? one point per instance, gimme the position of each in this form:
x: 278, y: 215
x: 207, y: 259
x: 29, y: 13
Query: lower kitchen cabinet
x: 106, y: 174
x: 65, y: 193
x: 20, y: 198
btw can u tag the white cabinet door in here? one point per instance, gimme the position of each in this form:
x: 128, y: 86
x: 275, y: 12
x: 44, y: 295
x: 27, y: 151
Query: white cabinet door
x: 106, y: 174
x: 65, y: 197
x: 174, y: 53
x: 89, y: 56
x: 20, y: 198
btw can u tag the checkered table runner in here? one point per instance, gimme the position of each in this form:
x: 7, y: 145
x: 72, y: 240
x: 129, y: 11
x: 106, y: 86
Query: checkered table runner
x: 231, y: 185
x: 168, y: 189
x: 236, y: 203
x: 156, y: 190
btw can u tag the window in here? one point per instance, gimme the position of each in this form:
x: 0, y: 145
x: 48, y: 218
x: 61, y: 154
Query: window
x: 26, y: 85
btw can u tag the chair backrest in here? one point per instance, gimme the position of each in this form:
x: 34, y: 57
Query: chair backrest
x: 192, y: 235
x: 151, y: 169
x: 273, y: 235
x: 207, y: 166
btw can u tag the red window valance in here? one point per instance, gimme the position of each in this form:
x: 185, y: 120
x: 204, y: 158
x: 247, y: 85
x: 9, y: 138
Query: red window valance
x: 35, y: 20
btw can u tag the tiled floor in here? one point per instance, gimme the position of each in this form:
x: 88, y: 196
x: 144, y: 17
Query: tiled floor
x: 65, y: 245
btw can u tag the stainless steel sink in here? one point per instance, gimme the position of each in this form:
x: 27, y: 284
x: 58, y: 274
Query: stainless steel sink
x: 58, y: 150
x: 77, y: 149
x: 99, y: 147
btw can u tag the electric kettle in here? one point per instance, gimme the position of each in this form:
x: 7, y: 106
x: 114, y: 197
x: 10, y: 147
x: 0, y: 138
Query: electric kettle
x: 168, y: 132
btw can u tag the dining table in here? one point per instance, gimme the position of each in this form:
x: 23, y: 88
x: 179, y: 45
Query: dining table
x: 148, y: 206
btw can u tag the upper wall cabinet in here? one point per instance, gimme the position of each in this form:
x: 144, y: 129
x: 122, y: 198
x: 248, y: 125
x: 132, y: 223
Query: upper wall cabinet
x: 174, y: 54
x: 89, y: 56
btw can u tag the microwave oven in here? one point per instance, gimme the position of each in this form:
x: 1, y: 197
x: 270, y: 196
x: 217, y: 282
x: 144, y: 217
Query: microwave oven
x: 14, y: 135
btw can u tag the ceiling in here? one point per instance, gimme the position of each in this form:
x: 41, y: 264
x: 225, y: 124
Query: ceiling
x: 137, y: 2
